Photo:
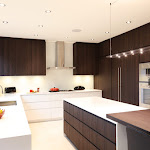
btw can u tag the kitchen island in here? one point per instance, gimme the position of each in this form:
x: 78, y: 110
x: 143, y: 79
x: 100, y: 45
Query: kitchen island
x: 85, y: 119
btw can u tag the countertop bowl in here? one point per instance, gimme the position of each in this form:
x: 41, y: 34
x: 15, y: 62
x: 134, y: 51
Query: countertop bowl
x: 1, y: 115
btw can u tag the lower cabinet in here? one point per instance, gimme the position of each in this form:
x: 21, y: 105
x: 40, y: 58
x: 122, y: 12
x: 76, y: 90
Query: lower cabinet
x: 83, y: 129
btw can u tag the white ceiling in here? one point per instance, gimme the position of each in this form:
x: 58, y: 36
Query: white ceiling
x: 91, y: 16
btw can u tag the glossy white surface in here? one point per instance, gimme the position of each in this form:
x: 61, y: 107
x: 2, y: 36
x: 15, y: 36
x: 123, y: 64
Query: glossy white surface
x: 14, y: 129
x: 49, y: 136
x: 101, y: 106
x: 47, y: 106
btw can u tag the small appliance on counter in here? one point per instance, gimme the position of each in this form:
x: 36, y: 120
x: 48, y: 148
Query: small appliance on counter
x: 10, y: 89
x: 79, y: 88
x: 54, y: 90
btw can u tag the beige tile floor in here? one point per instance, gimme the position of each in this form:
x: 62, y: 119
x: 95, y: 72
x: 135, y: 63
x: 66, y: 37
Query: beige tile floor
x: 49, y: 136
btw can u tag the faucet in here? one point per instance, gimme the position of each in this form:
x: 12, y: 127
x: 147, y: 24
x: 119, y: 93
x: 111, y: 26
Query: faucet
x: 1, y: 88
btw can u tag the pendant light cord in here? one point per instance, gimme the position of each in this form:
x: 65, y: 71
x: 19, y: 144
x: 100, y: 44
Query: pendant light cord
x: 110, y: 32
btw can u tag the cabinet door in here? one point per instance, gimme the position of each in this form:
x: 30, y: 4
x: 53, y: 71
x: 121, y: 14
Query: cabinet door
x: 1, y: 57
x: 9, y: 56
x: 102, y: 80
x: 38, y: 57
x: 23, y: 57
x: 116, y: 64
x: 84, y: 58
x: 130, y: 80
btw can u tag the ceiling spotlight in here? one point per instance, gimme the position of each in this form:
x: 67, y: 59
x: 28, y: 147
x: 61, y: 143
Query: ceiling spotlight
x: 92, y: 39
x: 128, y: 22
x: 124, y: 53
x: 107, y: 32
x: 117, y: 55
x: 47, y: 11
x: 40, y: 26
x: 110, y: 56
x: 141, y: 51
x: 5, y: 22
x: 76, y: 30
x: 2, y: 5
x: 36, y: 35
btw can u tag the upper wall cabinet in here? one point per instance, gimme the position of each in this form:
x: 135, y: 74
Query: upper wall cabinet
x: 22, y: 57
x: 84, y: 58
x: 134, y: 39
x: 38, y: 57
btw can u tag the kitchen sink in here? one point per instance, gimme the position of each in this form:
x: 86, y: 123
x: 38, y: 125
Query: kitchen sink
x: 8, y: 103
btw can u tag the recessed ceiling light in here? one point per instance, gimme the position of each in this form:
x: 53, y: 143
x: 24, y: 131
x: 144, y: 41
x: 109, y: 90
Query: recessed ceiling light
x: 36, y: 35
x: 47, y: 11
x: 107, y: 32
x: 66, y: 37
x: 2, y: 5
x: 5, y: 22
x: 128, y: 22
x: 76, y: 30
x: 40, y: 26
x: 92, y: 39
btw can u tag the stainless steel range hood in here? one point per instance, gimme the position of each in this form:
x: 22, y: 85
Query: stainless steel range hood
x: 60, y: 57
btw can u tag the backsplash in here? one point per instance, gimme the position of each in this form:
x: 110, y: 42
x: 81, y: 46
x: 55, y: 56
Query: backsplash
x: 63, y: 79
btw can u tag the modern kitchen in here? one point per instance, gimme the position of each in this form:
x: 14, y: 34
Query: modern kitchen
x: 75, y: 75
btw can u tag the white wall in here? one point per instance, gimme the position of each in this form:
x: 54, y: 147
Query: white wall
x: 63, y: 79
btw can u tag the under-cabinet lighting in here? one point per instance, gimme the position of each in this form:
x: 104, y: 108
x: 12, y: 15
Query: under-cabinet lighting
x: 2, y: 5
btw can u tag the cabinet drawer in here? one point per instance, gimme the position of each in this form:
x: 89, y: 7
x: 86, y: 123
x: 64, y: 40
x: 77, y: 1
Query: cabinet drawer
x: 44, y: 114
x: 41, y: 98
x: 100, y: 125
x: 42, y: 105
x: 99, y: 141
x: 77, y: 139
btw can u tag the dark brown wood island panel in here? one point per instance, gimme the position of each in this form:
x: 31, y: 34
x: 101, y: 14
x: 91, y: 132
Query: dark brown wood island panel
x: 98, y: 131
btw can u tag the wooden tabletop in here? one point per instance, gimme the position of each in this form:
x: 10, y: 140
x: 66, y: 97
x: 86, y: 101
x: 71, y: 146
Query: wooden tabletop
x: 137, y: 119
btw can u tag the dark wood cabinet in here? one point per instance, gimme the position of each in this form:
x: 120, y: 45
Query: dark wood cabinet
x: 22, y: 57
x: 125, y: 72
x: 96, y: 132
x: 9, y: 57
x: 102, y: 80
x: 1, y: 56
x: 38, y: 55
x: 84, y: 58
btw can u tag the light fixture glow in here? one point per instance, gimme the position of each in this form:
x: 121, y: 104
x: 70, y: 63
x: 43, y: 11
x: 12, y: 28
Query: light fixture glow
x: 47, y: 11
x: 2, y: 5
x: 40, y: 26
x: 92, y: 39
x: 5, y: 22
x: 117, y: 55
x: 107, y: 32
x: 110, y: 56
x: 124, y: 53
x: 128, y: 22
x: 36, y: 35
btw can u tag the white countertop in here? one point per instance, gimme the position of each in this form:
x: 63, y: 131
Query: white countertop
x: 101, y: 106
x: 48, y: 93
x: 14, y: 122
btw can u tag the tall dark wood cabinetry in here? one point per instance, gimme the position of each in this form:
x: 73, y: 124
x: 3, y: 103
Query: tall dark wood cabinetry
x: 125, y: 81
x: 22, y: 57
x: 124, y: 72
x: 84, y: 58
x: 103, y: 78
